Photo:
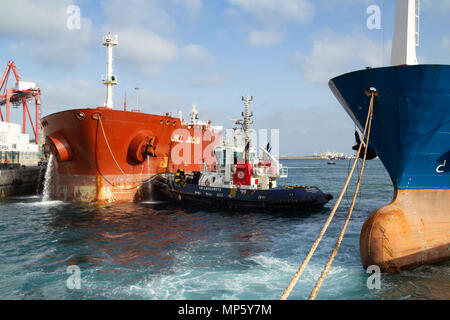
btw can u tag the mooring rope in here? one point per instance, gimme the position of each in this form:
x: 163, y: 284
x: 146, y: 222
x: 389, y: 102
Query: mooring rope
x: 117, y: 164
x: 107, y: 144
x: 319, y: 282
x: 305, y: 262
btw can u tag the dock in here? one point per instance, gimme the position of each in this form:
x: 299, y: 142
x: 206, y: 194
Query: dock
x: 18, y: 180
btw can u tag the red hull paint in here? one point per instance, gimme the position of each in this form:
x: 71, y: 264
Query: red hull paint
x: 91, y: 168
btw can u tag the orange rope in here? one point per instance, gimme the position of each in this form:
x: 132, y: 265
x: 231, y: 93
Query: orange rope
x: 308, y: 257
x: 319, y: 282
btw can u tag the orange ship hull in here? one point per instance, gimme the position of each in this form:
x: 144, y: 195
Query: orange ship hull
x: 410, y: 231
x: 104, y: 155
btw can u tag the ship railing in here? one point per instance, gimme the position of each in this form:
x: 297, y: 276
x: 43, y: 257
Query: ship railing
x: 283, y: 172
x: 279, y: 169
x: 273, y: 171
x: 110, y: 79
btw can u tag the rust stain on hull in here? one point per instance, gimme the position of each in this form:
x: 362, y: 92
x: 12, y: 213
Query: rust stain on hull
x: 413, y: 230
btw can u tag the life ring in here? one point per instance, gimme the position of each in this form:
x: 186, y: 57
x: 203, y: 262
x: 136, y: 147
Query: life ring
x: 238, y: 185
x: 207, y: 183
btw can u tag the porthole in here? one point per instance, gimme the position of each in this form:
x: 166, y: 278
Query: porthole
x: 80, y: 115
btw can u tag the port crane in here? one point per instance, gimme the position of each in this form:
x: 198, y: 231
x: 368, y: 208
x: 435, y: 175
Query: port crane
x: 23, y: 92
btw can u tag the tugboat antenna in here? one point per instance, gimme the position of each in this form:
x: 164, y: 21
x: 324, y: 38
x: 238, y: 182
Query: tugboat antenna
x: 246, y: 125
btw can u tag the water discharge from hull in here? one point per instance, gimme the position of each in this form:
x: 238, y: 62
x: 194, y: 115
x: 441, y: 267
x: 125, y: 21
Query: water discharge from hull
x: 46, y: 193
x: 149, y: 184
x: 39, y: 183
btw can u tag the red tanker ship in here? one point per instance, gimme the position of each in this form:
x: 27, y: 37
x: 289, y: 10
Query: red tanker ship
x: 106, y: 155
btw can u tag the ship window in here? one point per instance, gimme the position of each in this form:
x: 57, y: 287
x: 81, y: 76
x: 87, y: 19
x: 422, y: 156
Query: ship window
x: 237, y: 157
x: 219, y: 157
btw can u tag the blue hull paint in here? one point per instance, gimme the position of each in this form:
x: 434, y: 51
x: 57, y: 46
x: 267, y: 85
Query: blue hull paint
x: 411, y: 121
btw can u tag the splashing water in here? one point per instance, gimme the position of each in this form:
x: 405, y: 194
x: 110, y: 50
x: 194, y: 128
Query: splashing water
x: 38, y: 187
x: 150, y: 183
x: 48, y: 180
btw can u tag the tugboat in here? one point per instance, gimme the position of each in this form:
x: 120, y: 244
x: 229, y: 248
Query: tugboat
x: 240, y: 180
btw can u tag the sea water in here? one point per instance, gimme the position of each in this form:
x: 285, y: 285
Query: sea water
x: 142, y: 251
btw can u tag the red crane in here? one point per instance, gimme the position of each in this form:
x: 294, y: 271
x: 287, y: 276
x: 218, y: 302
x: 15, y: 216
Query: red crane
x: 17, y: 96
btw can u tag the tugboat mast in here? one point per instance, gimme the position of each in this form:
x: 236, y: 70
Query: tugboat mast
x: 246, y: 125
x: 109, y: 80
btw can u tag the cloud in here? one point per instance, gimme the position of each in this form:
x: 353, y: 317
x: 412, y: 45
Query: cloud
x: 334, y: 3
x: 157, y: 103
x: 145, y: 51
x: 263, y: 38
x: 275, y: 11
x: 446, y: 42
x: 147, y: 42
x: 40, y: 28
x: 315, y: 126
x: 67, y: 94
x: 272, y: 15
x: 212, y: 79
x: 197, y: 55
x: 193, y: 6
x: 436, y: 6
x: 333, y: 54
x: 148, y: 14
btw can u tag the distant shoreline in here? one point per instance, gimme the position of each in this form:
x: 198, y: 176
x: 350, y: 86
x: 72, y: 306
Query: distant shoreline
x: 305, y: 158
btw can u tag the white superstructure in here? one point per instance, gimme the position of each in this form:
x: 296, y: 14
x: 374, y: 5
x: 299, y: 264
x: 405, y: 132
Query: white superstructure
x: 15, y: 147
x: 239, y: 151
x: 406, y: 33
x: 109, y: 80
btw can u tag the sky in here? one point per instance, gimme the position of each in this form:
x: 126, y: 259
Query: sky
x: 210, y: 53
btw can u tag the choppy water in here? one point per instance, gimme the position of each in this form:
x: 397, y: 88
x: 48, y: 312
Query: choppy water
x: 139, y: 251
